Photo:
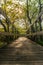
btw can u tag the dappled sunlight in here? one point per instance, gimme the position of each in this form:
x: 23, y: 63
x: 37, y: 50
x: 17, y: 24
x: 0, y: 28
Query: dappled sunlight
x: 19, y: 42
x: 22, y: 39
x: 2, y: 17
x: 19, y: 45
x: 22, y: 49
x: 25, y: 46
x: 21, y: 31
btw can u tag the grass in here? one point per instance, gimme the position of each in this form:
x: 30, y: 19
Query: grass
x: 2, y: 44
x: 40, y: 42
x: 1, y: 29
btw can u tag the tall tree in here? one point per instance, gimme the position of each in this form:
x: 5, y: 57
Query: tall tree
x: 7, y: 22
x: 40, y: 20
x: 29, y: 16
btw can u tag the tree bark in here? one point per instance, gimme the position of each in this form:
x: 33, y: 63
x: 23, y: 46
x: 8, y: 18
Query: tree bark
x: 8, y: 22
x: 3, y: 26
x: 40, y: 20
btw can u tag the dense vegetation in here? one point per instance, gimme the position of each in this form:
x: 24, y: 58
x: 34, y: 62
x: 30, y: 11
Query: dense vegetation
x: 22, y: 17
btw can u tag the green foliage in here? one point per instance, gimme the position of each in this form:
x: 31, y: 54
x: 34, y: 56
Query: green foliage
x: 40, y: 42
x: 1, y: 29
x: 17, y: 14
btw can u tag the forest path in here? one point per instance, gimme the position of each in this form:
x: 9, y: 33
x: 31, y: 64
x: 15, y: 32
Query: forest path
x: 22, y: 51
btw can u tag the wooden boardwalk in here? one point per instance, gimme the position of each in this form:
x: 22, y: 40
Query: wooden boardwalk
x: 23, y: 51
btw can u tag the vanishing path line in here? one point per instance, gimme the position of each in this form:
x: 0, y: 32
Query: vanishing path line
x: 22, y: 51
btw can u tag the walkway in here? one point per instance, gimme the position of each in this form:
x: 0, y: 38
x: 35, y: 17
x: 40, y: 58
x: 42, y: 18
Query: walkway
x: 23, y: 51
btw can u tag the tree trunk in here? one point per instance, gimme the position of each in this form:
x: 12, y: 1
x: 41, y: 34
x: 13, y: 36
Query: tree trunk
x: 3, y: 26
x: 40, y: 8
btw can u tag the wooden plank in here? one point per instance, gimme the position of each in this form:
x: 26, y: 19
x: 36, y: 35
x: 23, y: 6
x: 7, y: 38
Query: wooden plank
x: 28, y: 53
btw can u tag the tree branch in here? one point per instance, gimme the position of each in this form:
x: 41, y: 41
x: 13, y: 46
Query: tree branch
x: 3, y: 26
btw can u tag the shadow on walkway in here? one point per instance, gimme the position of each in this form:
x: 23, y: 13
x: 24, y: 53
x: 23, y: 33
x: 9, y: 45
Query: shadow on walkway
x: 23, y: 51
